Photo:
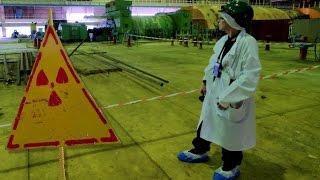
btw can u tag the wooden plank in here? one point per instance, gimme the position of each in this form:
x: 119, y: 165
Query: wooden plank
x: 8, y: 61
x: 19, y: 71
x: 27, y: 61
x: 5, y: 66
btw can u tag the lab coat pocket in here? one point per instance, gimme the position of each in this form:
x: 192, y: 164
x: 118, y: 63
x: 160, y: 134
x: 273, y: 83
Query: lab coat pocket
x: 222, y: 114
x: 237, y: 115
x: 232, y: 114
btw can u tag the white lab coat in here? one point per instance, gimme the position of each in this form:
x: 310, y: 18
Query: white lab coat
x: 233, y: 129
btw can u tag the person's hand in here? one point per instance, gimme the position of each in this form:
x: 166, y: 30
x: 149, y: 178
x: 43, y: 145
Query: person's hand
x: 236, y: 105
x: 222, y: 106
x: 203, y: 89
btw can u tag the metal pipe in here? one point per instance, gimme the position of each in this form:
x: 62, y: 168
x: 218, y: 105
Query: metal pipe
x: 144, y: 72
x: 125, y: 68
x: 78, y: 47
x: 6, y: 71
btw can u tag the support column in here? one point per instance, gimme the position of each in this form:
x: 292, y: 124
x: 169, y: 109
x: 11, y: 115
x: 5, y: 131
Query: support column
x: 2, y: 21
x: 64, y: 11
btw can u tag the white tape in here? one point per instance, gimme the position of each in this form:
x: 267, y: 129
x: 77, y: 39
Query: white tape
x: 154, y: 98
x: 110, y: 106
x: 5, y: 125
x: 192, y: 91
x: 132, y: 102
x: 174, y: 94
x: 195, y: 90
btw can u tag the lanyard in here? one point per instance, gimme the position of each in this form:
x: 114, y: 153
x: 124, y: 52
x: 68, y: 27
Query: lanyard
x: 217, y: 68
x: 230, y: 41
x: 221, y: 53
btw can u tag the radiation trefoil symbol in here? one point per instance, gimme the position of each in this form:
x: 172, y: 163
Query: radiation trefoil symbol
x: 42, y: 80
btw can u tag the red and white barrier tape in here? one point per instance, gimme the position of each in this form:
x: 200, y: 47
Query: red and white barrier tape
x: 272, y: 76
x: 153, y: 38
x: 299, y: 70
x: 165, y: 39
x: 150, y: 99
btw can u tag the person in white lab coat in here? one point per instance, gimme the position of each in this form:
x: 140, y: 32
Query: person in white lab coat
x: 231, y: 78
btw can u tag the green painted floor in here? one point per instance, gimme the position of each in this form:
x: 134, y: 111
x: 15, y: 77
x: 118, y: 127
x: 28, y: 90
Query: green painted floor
x: 151, y: 133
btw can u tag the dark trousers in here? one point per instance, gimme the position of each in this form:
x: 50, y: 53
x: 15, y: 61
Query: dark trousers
x: 230, y: 158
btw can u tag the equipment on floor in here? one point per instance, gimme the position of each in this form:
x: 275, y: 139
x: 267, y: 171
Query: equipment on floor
x: 16, y: 62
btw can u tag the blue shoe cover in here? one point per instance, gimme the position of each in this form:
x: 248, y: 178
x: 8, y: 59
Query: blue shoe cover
x: 189, y: 157
x: 233, y: 174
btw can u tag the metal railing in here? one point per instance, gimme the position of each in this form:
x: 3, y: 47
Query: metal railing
x: 103, y: 2
x: 177, y: 3
x: 55, y: 2
x: 7, y: 17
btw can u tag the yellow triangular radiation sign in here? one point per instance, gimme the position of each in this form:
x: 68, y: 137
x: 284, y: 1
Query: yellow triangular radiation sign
x: 56, y: 109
